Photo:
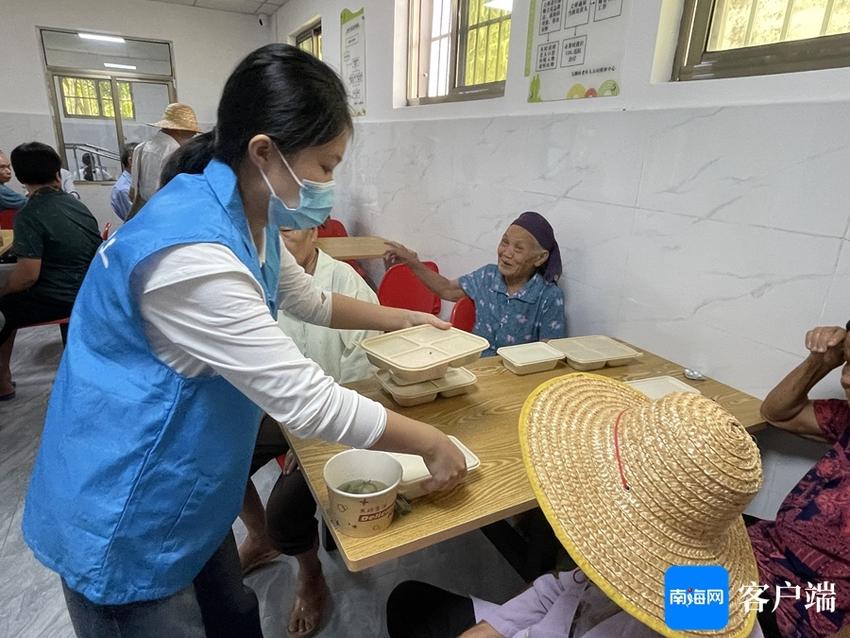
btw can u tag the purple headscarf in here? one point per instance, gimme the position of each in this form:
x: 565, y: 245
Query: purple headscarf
x: 540, y: 229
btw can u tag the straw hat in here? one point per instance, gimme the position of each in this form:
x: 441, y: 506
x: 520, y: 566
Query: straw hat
x: 180, y: 117
x: 686, y: 471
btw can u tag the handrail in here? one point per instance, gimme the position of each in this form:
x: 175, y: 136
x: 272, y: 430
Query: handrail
x: 98, y: 153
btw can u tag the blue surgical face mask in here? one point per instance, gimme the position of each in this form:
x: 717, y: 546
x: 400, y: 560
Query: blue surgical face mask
x: 314, y: 208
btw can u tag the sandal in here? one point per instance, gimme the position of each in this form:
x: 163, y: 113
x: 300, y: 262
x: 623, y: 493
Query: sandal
x: 316, y: 614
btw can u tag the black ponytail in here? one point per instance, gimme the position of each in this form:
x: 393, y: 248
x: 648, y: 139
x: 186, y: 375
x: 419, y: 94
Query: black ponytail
x: 278, y: 90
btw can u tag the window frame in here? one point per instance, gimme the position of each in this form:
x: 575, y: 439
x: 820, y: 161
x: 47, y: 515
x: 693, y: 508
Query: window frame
x: 114, y: 76
x: 458, y: 42
x: 312, y: 31
x: 100, y: 99
x: 694, y: 62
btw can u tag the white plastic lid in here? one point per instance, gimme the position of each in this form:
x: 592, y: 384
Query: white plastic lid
x: 530, y: 353
x: 415, y: 471
x: 657, y: 387
x: 593, y: 349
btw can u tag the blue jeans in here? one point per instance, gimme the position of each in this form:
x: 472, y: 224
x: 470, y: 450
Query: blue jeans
x: 215, y: 605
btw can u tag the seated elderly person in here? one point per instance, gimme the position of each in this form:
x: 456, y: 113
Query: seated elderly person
x: 623, y: 481
x: 56, y: 238
x: 288, y: 525
x: 517, y: 300
x: 9, y: 199
x: 809, y: 542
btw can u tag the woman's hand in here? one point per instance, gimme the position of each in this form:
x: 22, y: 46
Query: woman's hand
x: 827, y: 343
x: 446, y: 464
x: 415, y: 318
x: 398, y: 254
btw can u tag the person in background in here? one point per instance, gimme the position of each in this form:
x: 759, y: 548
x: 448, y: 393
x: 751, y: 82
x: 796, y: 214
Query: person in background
x: 809, y: 542
x: 177, y: 126
x: 517, y: 300
x: 630, y: 487
x: 120, y: 198
x: 174, y: 353
x: 288, y: 524
x: 9, y: 199
x: 66, y: 178
x: 56, y: 238
x: 91, y: 173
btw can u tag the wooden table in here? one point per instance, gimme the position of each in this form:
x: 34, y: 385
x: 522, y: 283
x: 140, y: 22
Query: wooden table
x: 486, y: 420
x: 8, y: 238
x: 353, y: 247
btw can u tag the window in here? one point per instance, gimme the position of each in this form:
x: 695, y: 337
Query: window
x: 104, y: 91
x: 82, y: 97
x: 458, y: 49
x: 734, y: 38
x: 310, y: 40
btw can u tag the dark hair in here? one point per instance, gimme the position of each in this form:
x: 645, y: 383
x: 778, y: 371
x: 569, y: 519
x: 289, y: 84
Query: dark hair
x: 127, y: 153
x: 281, y: 91
x: 35, y: 163
x: 192, y: 157
x: 88, y: 173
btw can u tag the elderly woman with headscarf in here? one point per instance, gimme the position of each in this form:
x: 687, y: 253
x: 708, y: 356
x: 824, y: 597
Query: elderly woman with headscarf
x: 517, y: 300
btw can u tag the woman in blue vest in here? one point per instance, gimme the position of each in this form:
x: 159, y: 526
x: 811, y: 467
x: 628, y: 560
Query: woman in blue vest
x: 174, y: 352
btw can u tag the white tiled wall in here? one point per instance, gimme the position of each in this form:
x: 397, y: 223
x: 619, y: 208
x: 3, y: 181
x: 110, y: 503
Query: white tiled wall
x: 714, y: 237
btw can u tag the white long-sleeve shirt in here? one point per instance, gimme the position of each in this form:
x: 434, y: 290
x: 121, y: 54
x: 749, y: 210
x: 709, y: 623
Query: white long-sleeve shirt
x: 337, y: 351
x: 204, y: 312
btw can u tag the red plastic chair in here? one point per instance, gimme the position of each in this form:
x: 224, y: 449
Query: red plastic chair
x: 7, y: 218
x: 400, y: 288
x: 463, y: 314
x: 332, y: 228
x: 104, y: 234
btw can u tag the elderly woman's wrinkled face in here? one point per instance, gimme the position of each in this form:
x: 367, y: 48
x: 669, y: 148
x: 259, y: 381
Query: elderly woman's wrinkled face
x: 5, y: 169
x: 519, y: 254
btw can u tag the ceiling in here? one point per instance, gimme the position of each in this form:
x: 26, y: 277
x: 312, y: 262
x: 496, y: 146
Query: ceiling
x: 251, y: 7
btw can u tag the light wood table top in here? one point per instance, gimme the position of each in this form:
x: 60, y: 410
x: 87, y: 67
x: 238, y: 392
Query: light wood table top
x: 8, y: 239
x: 486, y: 420
x: 353, y: 247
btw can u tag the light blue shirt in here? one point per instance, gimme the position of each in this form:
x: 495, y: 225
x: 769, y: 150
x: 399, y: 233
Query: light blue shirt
x: 534, y: 313
x: 121, y: 195
x: 10, y: 199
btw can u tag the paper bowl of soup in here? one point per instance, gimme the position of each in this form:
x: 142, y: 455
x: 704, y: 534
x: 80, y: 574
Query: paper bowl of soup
x: 362, y: 490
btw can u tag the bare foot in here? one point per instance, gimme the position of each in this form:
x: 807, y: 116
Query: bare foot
x: 255, y: 553
x: 311, y: 594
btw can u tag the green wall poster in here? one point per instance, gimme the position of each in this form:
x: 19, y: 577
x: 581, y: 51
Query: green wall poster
x: 575, y: 48
x: 353, y: 52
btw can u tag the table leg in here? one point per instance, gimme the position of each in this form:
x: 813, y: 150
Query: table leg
x: 531, y: 553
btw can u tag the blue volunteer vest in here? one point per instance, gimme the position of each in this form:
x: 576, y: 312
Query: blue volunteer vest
x: 142, y: 471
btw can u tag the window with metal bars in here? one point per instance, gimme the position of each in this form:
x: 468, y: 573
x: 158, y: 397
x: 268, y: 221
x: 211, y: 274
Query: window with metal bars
x: 734, y: 38
x: 310, y: 39
x: 91, y: 98
x: 457, y: 49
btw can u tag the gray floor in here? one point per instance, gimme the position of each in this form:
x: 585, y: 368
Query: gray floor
x: 31, y: 604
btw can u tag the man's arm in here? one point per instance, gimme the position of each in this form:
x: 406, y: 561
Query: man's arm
x: 11, y: 199
x: 24, y: 276
x: 448, y: 289
x: 788, y: 406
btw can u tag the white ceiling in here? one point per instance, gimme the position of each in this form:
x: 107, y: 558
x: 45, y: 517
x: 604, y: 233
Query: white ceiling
x: 251, y: 7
